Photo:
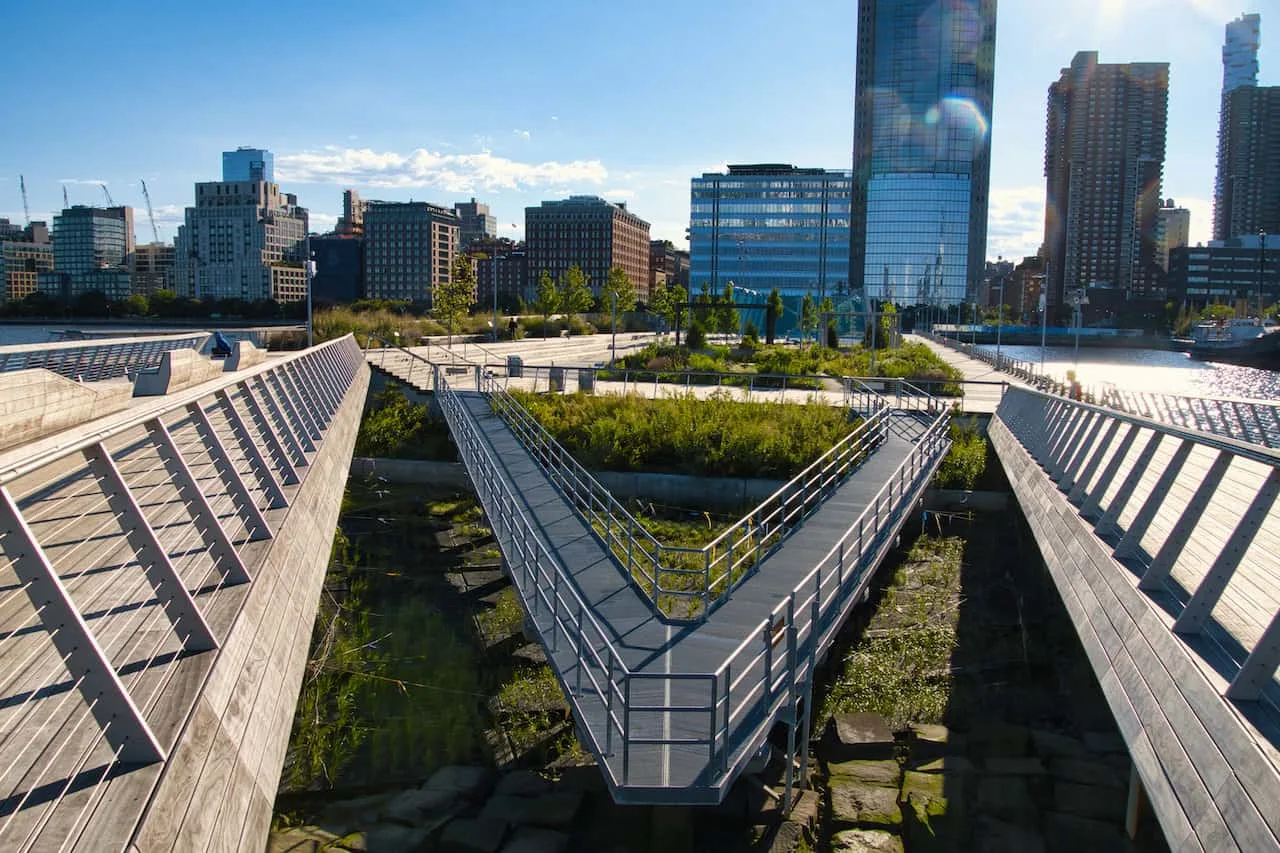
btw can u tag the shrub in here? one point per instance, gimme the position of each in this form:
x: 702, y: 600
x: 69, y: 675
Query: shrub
x: 697, y: 337
x: 397, y: 428
x: 967, y: 458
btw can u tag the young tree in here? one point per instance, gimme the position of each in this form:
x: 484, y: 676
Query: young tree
x: 828, y: 309
x: 660, y: 301
x: 451, y: 299
x: 548, y: 301
x: 808, y: 317
x: 619, y: 285
x: 773, y: 310
x: 726, y: 314
x: 702, y: 313
x: 677, y: 303
x: 575, y: 293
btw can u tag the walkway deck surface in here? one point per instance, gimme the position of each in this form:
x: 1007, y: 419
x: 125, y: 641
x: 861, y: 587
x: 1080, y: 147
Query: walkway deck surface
x: 650, y: 646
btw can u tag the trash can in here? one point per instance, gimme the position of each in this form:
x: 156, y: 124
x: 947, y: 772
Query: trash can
x: 515, y: 366
x: 587, y: 379
x: 555, y: 379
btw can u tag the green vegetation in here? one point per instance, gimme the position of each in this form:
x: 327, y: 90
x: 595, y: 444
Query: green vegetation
x: 617, y: 293
x: 717, y: 437
x: 901, y: 667
x: 396, y: 428
x: 575, y: 292
x: 451, y: 299
x: 966, y: 461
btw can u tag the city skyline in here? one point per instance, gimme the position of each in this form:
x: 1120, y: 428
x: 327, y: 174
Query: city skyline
x: 588, y: 106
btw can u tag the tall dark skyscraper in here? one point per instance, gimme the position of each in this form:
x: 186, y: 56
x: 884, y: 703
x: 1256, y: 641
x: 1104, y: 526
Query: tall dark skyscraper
x: 922, y: 149
x: 1103, y: 164
x: 1246, y: 196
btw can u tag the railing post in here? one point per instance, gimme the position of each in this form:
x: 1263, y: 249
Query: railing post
x: 109, y: 701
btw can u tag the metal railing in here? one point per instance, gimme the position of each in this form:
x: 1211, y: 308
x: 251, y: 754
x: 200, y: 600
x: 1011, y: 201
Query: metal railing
x: 742, y: 697
x: 1253, y: 421
x: 687, y: 583
x: 91, y: 361
x: 1236, y: 488
x: 123, y: 566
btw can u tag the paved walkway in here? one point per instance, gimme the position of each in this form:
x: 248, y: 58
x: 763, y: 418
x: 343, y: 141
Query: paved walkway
x: 977, y: 398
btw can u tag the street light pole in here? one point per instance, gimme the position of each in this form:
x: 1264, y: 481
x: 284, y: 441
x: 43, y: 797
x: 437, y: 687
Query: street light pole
x: 493, y: 278
x: 1262, y: 262
x: 309, y: 269
x: 613, y: 328
x: 999, y: 322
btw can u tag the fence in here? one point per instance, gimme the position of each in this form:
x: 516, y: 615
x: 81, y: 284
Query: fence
x: 97, y: 360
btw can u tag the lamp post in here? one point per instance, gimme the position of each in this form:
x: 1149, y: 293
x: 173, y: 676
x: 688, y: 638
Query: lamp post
x: 309, y: 266
x: 1262, y: 262
x: 493, y: 278
x: 999, y: 321
x: 613, y: 328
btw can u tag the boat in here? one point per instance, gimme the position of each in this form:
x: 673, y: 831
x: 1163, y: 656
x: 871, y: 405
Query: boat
x: 1248, y: 341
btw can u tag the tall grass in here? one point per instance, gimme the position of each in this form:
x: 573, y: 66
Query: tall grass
x: 681, y: 434
x: 330, y: 323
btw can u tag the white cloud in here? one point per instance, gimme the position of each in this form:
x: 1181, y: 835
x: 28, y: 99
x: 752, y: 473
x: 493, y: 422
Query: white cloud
x: 555, y: 118
x: 455, y: 173
x: 87, y: 181
x: 1201, y: 217
x: 320, y: 222
x: 523, y: 134
x: 1015, y: 221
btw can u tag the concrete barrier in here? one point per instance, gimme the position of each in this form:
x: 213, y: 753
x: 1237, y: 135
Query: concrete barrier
x: 38, y: 402
x: 245, y: 354
x: 178, y: 369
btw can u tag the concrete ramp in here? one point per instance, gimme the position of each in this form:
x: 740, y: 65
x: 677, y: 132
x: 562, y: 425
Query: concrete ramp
x: 38, y: 402
x: 178, y: 370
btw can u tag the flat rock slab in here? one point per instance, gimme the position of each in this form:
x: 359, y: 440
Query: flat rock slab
x: 885, y: 773
x: 1105, y: 742
x: 473, y: 835
x: 1053, y: 745
x: 787, y: 838
x: 946, y: 764
x: 393, y: 838
x: 465, y: 781
x: 806, y: 809
x: 533, y: 840
x: 860, y: 736
x: 413, y: 806
x: 308, y: 839
x: 1090, y: 801
x: 929, y: 740
x: 864, y: 806
x: 1007, y: 797
x: 866, y: 841
x: 999, y: 740
x: 1027, y: 766
x: 1067, y: 832
x: 997, y: 836
x: 522, y: 783
x: 1085, y: 772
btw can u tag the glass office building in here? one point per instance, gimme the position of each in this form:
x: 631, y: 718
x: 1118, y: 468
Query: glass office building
x: 767, y: 226
x: 922, y: 149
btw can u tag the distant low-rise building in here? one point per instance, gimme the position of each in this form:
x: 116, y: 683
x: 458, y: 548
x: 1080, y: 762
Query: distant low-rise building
x: 668, y: 265
x: 588, y: 232
x: 409, y: 249
x: 152, y: 264
x: 23, y: 257
x: 339, y: 275
x: 475, y: 223
x: 1226, y: 271
x: 502, y: 267
x: 93, y: 250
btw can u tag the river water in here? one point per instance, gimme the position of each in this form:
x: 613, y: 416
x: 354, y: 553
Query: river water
x: 1151, y: 370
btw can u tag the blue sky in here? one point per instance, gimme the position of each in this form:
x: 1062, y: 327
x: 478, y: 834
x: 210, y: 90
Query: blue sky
x: 516, y: 102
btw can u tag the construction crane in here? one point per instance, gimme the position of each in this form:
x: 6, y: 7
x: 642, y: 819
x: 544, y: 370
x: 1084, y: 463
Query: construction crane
x: 110, y: 201
x: 26, y: 211
x: 155, y: 232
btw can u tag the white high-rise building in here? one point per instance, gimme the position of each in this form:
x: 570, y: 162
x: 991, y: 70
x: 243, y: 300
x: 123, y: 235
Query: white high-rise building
x: 242, y: 240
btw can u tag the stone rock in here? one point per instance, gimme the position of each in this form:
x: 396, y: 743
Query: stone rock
x: 522, y: 783
x: 787, y: 838
x: 929, y: 784
x: 860, y: 736
x: 884, y: 773
x: 1105, y: 742
x: 865, y: 806
x: 946, y: 764
x: 997, y: 836
x: 929, y: 821
x: 1014, y: 766
x: 929, y: 740
x: 1066, y: 832
x: 556, y: 809
x: 393, y: 838
x: 1007, y: 797
x: 465, y: 781
x: 865, y: 841
x: 805, y: 809
x: 999, y: 739
x: 1085, y: 772
x: 473, y: 835
x: 412, y: 806
x: 354, y: 813
x: 1052, y: 745
x: 511, y: 810
x: 533, y: 840
x: 1092, y: 801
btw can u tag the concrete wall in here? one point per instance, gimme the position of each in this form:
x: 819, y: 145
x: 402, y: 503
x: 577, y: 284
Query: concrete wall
x: 178, y: 369
x: 37, y: 402
x: 219, y: 784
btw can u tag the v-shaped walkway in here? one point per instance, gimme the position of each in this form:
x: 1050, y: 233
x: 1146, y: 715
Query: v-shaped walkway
x: 674, y: 711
